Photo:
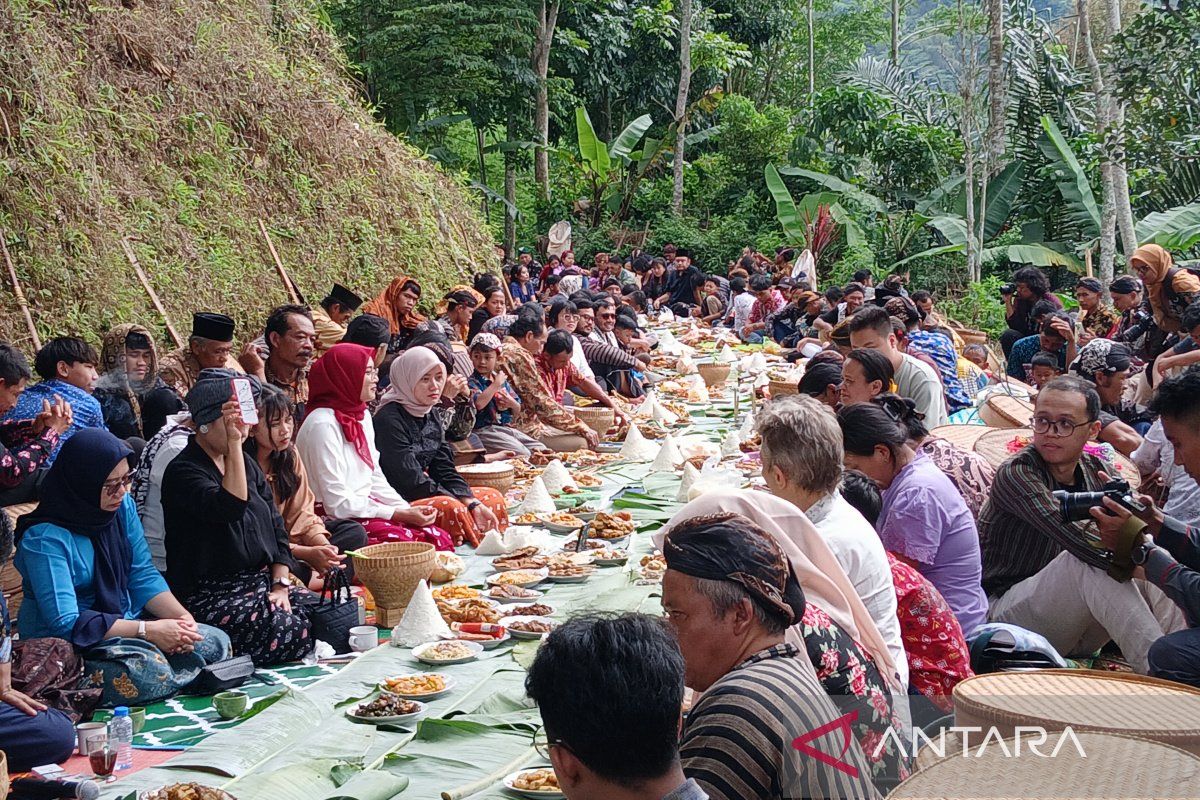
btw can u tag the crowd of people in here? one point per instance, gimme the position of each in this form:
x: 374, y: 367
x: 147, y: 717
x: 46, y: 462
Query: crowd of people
x: 170, y: 532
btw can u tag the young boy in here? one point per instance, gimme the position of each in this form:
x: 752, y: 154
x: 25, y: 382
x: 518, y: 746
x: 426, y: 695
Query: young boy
x: 495, y: 401
x: 740, y: 304
x: 67, y: 368
x: 711, y: 308
x: 1043, y: 368
x: 25, y: 445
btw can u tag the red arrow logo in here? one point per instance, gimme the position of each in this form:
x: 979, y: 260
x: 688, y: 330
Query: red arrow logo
x: 842, y: 724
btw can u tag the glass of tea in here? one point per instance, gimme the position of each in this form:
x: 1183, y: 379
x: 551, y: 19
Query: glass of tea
x: 103, y: 760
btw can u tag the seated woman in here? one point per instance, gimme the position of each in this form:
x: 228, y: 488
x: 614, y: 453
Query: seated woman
x: 493, y: 305
x: 227, y: 549
x: 134, y: 399
x: 938, y: 656
x: 88, y: 578
x: 522, y: 287
x: 823, y: 381
x: 316, y: 545
x: 542, y: 416
x: 336, y: 443
x: 865, y: 374
x: 925, y: 522
x: 971, y: 473
x: 416, y: 459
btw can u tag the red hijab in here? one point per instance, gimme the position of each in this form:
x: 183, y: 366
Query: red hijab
x: 335, y: 382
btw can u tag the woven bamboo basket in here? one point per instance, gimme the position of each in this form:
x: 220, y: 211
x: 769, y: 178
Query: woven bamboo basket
x: 1111, y: 765
x: 994, y: 447
x: 781, y: 388
x: 972, y: 336
x: 1003, y: 411
x: 3, y: 775
x: 1085, y: 700
x: 598, y: 418
x: 713, y: 374
x: 500, y: 480
x: 391, y: 571
x: 964, y: 436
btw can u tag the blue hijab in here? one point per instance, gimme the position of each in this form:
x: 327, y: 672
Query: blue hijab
x: 70, y: 498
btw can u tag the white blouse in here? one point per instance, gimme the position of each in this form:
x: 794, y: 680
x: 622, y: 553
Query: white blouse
x: 342, y: 482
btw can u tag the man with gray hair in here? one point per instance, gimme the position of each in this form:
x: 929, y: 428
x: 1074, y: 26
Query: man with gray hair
x: 802, y: 463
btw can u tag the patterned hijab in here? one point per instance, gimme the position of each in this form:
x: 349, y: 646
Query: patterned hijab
x: 335, y: 382
x: 112, y: 367
x: 385, y: 305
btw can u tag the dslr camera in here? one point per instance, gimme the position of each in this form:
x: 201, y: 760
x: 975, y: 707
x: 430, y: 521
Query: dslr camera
x: 1143, y: 322
x: 1007, y: 289
x: 1075, y: 506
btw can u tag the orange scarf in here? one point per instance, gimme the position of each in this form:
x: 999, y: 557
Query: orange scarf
x: 385, y: 306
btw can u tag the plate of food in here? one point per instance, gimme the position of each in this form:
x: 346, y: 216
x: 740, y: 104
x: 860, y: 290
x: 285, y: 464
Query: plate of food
x: 609, y: 556
x: 198, y: 791
x: 529, y: 627
x: 519, y: 577
x: 455, y: 591
x: 527, y: 519
x: 568, y: 572
x: 477, y: 609
x: 652, y: 567
x: 590, y: 544
x: 386, y: 709
x: 587, y: 480
x: 536, y: 783
x: 508, y: 593
x: 420, y: 686
x: 560, y: 522
x: 612, y: 526
x: 521, y: 558
x: 532, y: 610
x: 453, y: 652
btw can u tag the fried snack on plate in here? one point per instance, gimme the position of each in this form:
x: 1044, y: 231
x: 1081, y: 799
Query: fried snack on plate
x: 455, y: 591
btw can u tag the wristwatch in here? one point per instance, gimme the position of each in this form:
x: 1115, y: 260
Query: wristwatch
x: 471, y: 506
x: 141, y: 629
x: 1140, y: 552
x: 280, y: 582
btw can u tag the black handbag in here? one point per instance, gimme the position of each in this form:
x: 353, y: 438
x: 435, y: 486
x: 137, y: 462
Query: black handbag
x: 222, y: 676
x: 335, y: 613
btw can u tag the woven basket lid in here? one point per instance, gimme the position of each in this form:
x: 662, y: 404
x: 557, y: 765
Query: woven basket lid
x: 1007, y: 411
x: 994, y: 444
x: 963, y: 436
x: 1084, y: 700
x: 1112, y: 766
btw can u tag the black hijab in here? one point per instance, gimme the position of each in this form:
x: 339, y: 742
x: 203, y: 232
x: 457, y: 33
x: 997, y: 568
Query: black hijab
x: 70, y: 498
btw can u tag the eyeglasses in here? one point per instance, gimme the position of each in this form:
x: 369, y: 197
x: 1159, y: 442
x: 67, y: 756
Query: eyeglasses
x: 542, y: 742
x: 115, y: 487
x: 1059, y: 427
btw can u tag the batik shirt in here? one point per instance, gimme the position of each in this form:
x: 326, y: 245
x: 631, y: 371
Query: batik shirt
x: 538, y: 408
x: 85, y: 409
x: 941, y: 350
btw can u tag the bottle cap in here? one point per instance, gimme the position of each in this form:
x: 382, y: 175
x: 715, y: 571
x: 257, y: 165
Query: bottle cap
x: 121, y: 711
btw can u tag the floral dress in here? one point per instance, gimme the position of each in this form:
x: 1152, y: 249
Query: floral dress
x: 850, y: 678
x: 970, y: 472
x: 938, y: 656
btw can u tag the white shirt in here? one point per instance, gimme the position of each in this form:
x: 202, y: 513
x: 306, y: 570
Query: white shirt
x: 917, y: 381
x: 153, y: 524
x: 579, y: 361
x: 742, y: 304
x: 341, y: 481
x: 858, y: 549
x: 1156, y: 453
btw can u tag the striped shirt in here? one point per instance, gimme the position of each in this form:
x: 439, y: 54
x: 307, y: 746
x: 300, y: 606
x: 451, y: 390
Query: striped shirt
x: 1021, y: 528
x: 737, y: 740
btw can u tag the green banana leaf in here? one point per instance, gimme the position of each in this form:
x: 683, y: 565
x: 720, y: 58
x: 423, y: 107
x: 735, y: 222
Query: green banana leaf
x: 628, y: 138
x: 591, y: 149
x: 785, y: 207
x: 933, y: 251
x: 1040, y: 255
x: 1002, y: 191
x: 1071, y: 180
x: 854, y: 233
x: 1176, y: 228
x: 835, y: 184
x: 951, y: 226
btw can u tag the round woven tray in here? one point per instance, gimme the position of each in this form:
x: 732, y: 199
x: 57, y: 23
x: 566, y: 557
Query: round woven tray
x: 1112, y: 765
x: 713, y: 374
x: 392, y: 570
x: 598, y: 418
x: 1086, y: 700
x: 780, y: 388
x: 971, y: 336
x: 500, y: 480
x: 1003, y: 411
x: 963, y: 436
x: 993, y: 445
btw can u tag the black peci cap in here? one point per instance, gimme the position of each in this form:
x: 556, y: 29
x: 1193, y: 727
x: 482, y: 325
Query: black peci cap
x: 217, y: 327
x: 344, y: 297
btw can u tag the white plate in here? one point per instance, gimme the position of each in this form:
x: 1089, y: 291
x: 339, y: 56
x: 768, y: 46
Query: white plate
x: 494, y: 643
x: 384, y: 720
x: 569, y: 578
x: 553, y: 611
x: 611, y: 562
x: 419, y: 650
x: 431, y: 696
x: 541, y: 573
x: 509, y: 780
x: 508, y: 600
x: 507, y: 621
x: 555, y: 527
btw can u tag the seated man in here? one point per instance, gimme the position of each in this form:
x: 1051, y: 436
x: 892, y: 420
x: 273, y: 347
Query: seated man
x: 939, y: 348
x: 683, y: 287
x: 135, y: 400
x: 1105, y: 364
x: 290, y: 341
x: 872, y: 328
x: 25, y: 445
x: 558, y: 374
x: 209, y: 347
x: 768, y: 301
x: 1056, y: 334
x: 1170, y: 558
x: 1044, y: 573
x: 732, y: 595
x: 844, y: 306
x: 67, y: 367
x: 610, y: 692
x: 607, y: 363
x: 330, y: 317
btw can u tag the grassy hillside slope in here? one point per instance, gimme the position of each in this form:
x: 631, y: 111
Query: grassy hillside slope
x: 180, y: 123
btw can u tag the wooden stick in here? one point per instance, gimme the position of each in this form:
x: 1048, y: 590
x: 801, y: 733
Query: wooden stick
x: 287, y: 282
x: 19, y: 292
x: 141, y: 273
x: 1087, y: 260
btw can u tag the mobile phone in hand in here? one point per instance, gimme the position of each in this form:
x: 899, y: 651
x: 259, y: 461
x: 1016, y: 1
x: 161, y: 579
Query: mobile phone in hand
x: 245, y: 397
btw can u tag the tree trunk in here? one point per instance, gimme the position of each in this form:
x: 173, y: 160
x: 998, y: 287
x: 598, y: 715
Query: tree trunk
x: 485, y: 207
x: 895, y: 31
x: 1116, y: 143
x: 685, y: 80
x: 510, y: 189
x: 997, y: 88
x: 547, y: 20
x: 967, y: 125
x: 812, y: 60
x: 1108, y: 215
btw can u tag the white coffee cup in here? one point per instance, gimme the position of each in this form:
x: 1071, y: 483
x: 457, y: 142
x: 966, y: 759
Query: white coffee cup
x: 363, y: 638
x: 91, y: 736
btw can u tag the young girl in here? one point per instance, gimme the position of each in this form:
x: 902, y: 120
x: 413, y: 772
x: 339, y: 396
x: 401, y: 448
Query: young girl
x: 711, y: 308
x: 495, y: 401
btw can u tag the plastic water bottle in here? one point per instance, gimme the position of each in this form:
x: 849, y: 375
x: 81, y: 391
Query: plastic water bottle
x: 120, y: 736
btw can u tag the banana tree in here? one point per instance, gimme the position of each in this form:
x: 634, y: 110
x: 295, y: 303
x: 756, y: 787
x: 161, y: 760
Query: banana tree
x: 816, y: 222
x: 602, y: 163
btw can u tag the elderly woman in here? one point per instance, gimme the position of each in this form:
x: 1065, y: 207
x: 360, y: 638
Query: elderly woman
x: 337, y: 445
x: 134, y: 399
x: 88, y: 578
x: 416, y: 459
x: 227, y: 547
x: 397, y: 304
x: 866, y: 374
x: 1099, y: 319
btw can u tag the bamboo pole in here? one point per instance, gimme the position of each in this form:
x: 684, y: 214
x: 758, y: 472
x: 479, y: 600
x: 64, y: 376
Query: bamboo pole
x: 19, y: 293
x: 290, y: 287
x: 141, y: 273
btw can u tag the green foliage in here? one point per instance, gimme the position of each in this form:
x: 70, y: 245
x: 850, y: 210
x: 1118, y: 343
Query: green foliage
x: 979, y: 306
x: 751, y: 137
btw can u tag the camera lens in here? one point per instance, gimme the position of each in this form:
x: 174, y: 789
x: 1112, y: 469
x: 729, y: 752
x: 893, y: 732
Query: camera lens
x: 1077, y: 506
